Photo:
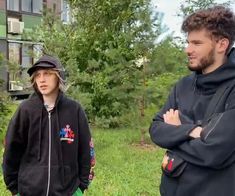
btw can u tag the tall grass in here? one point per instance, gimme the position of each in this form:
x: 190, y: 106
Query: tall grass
x: 124, y: 167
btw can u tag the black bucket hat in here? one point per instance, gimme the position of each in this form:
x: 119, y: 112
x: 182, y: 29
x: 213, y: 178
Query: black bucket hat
x: 46, y: 61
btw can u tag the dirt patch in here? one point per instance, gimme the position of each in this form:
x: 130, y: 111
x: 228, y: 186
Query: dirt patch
x: 148, y: 147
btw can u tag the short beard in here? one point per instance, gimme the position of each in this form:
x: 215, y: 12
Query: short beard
x: 205, y: 62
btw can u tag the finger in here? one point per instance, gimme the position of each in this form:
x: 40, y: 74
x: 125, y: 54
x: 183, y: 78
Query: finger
x: 176, y: 112
x: 164, y: 117
x: 171, y: 111
x: 168, y: 113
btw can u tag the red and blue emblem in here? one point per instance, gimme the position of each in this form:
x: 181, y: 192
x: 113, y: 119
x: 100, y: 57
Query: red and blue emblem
x: 67, y: 134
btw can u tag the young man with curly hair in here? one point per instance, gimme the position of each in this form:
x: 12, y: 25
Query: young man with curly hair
x: 200, y: 156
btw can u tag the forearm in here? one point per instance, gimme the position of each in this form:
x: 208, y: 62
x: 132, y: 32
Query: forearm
x: 215, y: 147
x: 86, y: 151
x: 12, y: 156
x: 84, y: 162
x: 10, y: 172
x: 170, y: 128
x: 169, y: 136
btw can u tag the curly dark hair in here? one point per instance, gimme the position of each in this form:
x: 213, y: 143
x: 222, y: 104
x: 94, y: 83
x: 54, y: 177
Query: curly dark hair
x: 217, y: 20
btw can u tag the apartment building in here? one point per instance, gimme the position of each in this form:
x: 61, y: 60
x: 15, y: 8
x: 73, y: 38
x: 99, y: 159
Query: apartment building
x: 16, y: 18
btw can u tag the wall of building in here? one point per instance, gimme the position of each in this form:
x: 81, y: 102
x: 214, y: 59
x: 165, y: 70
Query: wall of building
x: 30, y: 22
x: 3, y: 69
x: 2, y: 4
x: 2, y: 24
x: 54, y: 5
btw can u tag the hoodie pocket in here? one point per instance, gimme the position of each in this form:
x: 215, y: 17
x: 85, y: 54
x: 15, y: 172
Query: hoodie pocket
x: 173, y: 165
x: 62, y: 179
x: 32, y: 180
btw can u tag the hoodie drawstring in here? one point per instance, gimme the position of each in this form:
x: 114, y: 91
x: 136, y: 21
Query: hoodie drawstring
x: 40, y: 135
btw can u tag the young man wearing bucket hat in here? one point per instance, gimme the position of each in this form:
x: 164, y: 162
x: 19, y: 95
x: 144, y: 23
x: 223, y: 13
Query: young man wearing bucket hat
x: 48, y: 146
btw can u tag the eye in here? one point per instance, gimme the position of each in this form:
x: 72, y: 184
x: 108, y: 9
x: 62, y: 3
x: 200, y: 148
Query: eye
x: 37, y: 74
x: 197, y: 43
x: 47, y: 73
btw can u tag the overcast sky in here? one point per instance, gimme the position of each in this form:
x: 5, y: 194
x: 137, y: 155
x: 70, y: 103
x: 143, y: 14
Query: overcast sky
x: 170, y: 8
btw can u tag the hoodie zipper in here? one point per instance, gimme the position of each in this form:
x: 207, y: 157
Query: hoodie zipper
x: 214, y: 125
x: 49, y: 155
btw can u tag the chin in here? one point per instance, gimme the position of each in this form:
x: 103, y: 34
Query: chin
x: 43, y: 92
x: 194, y: 68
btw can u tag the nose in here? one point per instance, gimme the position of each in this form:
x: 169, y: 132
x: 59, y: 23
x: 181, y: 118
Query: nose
x: 41, y: 78
x: 188, y: 49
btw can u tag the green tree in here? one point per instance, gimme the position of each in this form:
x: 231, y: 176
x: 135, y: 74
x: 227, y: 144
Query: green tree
x: 99, y: 48
x: 165, y: 65
x: 189, y: 6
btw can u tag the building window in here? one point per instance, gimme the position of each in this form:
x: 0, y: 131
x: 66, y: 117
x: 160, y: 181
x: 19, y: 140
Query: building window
x: 37, y: 52
x: 21, y: 56
x: 65, y: 11
x: 13, y: 5
x: 14, y: 59
x: 34, y: 6
x: 26, y: 5
x: 37, y: 6
x: 26, y: 55
x: 14, y: 52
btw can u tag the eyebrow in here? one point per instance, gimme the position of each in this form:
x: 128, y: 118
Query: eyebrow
x: 194, y: 41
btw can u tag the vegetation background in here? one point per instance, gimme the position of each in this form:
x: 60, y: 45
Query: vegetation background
x: 122, y: 74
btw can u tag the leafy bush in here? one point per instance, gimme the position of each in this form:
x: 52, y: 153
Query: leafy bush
x: 4, y: 106
x: 4, y: 112
x: 3, y: 189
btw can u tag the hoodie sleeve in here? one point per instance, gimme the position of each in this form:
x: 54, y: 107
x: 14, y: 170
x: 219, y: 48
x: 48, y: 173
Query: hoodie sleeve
x: 86, y: 151
x: 15, y: 144
x: 166, y: 135
x: 216, y: 147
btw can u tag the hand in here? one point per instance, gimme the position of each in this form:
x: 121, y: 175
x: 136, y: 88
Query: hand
x: 196, y: 132
x: 165, y: 161
x: 172, y: 117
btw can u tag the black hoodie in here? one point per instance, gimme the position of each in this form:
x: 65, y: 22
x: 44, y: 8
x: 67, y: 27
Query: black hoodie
x: 47, y: 153
x: 210, y: 168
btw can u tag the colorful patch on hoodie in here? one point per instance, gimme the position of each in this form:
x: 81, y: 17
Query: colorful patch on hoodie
x: 93, y: 161
x: 67, y: 134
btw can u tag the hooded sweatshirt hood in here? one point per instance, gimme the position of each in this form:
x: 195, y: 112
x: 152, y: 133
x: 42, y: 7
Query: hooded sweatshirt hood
x: 208, y: 83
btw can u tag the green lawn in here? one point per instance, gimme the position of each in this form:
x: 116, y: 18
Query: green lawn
x: 123, y: 167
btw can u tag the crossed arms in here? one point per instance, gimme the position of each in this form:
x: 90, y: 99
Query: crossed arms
x: 172, y: 117
x: 209, y: 146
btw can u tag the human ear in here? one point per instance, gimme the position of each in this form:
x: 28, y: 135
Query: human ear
x: 223, y: 45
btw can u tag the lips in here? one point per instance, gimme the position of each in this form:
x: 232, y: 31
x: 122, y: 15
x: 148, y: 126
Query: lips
x: 191, y: 59
x: 43, y: 87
